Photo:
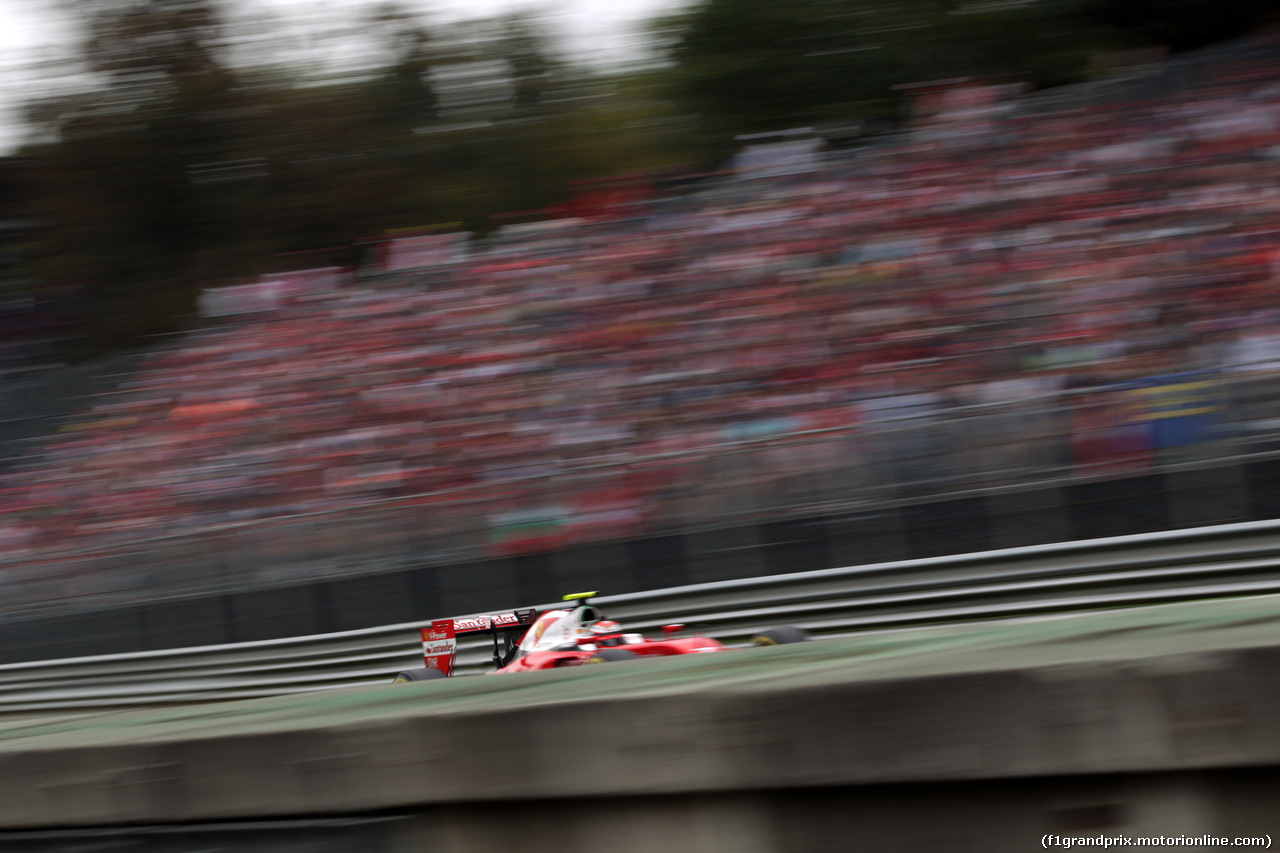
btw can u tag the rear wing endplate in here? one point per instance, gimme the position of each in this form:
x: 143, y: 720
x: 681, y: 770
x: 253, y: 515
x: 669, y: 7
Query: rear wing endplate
x: 440, y: 644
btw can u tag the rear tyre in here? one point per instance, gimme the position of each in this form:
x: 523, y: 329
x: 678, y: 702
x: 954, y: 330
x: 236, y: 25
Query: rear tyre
x: 609, y: 655
x: 781, y: 636
x: 421, y: 674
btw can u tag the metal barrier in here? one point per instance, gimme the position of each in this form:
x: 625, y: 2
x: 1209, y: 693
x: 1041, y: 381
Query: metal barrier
x: 1228, y: 560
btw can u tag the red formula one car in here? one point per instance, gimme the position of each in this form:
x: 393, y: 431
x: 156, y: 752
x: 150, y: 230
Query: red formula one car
x: 569, y: 637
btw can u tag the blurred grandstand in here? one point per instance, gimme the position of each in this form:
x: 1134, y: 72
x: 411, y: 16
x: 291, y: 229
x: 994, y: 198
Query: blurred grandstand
x: 1014, y: 291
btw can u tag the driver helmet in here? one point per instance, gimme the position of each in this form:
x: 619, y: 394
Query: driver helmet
x: 606, y: 632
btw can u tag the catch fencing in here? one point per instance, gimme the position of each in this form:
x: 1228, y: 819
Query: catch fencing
x: 900, y: 449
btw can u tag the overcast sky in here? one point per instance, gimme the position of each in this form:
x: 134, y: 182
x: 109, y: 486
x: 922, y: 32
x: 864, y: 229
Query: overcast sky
x: 595, y: 31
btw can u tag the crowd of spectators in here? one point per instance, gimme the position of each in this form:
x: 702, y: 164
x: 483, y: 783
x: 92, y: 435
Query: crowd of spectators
x: 983, y: 259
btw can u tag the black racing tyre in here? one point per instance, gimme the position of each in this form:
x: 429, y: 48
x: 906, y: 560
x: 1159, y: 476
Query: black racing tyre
x: 609, y: 655
x: 780, y: 636
x: 421, y: 674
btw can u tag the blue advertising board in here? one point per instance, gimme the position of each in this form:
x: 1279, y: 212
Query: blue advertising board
x: 1180, y: 408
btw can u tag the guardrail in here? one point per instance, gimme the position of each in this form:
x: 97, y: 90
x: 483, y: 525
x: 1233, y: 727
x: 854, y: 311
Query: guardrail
x: 1228, y: 560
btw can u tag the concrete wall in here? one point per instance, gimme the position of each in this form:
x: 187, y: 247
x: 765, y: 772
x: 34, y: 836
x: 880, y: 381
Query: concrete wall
x: 976, y: 817
x: 962, y: 758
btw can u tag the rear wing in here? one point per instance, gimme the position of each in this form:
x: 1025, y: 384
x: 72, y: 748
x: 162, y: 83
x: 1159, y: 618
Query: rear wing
x: 439, y: 642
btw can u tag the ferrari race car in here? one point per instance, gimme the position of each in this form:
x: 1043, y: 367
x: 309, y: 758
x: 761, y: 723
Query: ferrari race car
x: 572, y: 636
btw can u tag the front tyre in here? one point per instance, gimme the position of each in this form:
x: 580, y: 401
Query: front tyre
x: 420, y: 674
x: 780, y: 636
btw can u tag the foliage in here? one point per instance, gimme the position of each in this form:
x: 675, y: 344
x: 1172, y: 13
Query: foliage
x: 174, y: 168
x: 166, y: 161
x: 1180, y: 24
x: 749, y: 65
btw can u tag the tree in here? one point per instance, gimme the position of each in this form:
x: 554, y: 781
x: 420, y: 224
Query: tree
x: 528, y: 60
x: 167, y: 166
x: 1179, y: 24
x: 749, y: 65
x: 404, y: 89
x: 127, y: 215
